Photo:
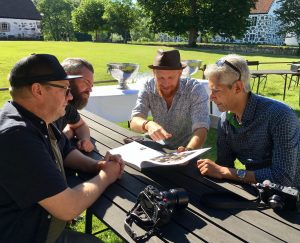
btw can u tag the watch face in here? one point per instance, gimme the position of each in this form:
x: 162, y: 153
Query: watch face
x: 241, y: 173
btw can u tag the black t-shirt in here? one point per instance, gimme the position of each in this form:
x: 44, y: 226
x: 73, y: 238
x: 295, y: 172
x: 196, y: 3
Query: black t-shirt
x: 71, y: 117
x: 28, y: 174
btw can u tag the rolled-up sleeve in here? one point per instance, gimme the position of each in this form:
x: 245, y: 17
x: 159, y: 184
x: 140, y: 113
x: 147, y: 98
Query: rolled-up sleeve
x: 142, y: 106
x: 199, y: 107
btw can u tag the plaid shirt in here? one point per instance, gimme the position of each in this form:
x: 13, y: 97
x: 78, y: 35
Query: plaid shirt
x: 267, y: 141
x: 189, y: 110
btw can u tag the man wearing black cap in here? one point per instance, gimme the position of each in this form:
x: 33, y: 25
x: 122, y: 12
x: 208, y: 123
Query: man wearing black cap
x: 35, y: 200
x: 178, y: 106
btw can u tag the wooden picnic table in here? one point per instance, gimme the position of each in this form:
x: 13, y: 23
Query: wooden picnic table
x: 196, y: 223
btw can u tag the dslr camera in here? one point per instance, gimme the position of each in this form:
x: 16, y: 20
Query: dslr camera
x: 278, y: 196
x: 154, y: 209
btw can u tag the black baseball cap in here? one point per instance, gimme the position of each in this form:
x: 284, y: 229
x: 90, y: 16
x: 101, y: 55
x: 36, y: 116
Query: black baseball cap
x: 38, y: 68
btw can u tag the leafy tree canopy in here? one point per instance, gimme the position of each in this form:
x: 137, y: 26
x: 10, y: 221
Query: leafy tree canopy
x: 289, y: 15
x: 121, y: 17
x: 88, y: 17
x: 56, y: 16
x: 226, y: 18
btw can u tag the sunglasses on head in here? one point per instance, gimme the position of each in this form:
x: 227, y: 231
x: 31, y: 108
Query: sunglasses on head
x: 222, y: 62
x: 66, y: 88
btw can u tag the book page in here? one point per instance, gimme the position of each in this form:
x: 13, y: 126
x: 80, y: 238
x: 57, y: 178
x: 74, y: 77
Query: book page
x: 177, y: 158
x: 135, y: 153
x: 142, y: 156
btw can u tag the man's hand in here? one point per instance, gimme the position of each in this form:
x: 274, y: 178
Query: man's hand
x: 210, y: 168
x: 85, y: 145
x: 182, y: 149
x: 156, y: 131
x: 112, y: 159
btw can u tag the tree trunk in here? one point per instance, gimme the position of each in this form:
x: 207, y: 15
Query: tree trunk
x: 298, y: 52
x: 96, y: 36
x: 193, y: 34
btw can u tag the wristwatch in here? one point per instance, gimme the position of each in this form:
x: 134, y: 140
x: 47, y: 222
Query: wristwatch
x: 241, y: 174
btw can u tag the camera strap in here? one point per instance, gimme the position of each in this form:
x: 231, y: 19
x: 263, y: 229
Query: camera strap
x: 229, y: 200
x: 140, y: 218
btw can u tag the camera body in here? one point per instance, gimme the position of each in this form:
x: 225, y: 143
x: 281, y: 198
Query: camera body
x: 159, y: 205
x: 278, y: 196
x: 154, y: 209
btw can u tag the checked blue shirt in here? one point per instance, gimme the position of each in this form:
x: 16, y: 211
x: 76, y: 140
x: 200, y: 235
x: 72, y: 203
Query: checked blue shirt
x: 267, y: 141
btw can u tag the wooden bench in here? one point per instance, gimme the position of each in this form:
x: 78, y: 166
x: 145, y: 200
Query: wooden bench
x: 196, y: 223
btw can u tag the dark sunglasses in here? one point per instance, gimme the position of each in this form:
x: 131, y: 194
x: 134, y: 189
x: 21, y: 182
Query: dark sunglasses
x: 221, y: 63
x: 66, y: 88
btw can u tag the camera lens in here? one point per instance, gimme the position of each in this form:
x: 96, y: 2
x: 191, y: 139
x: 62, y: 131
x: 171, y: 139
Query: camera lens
x: 276, y: 202
x: 177, y: 198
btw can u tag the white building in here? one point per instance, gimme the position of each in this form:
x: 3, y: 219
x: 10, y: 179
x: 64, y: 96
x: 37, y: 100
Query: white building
x: 264, y: 26
x: 19, y: 19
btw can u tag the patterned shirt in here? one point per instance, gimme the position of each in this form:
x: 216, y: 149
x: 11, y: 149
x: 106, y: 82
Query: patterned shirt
x: 188, y: 112
x: 267, y: 141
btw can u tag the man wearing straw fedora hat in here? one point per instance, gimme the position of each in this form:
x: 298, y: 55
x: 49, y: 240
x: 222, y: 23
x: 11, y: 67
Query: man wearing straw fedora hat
x: 178, y: 106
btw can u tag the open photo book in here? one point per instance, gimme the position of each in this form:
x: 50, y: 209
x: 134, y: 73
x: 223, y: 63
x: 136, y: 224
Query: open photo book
x: 141, y: 156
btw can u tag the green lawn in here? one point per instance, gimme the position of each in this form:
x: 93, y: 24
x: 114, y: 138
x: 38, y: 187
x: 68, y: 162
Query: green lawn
x: 99, y: 54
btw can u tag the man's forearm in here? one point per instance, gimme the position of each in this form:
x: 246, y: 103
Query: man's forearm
x: 136, y: 124
x: 73, y: 201
x: 82, y: 132
x: 231, y: 174
x: 198, y: 138
x: 78, y: 161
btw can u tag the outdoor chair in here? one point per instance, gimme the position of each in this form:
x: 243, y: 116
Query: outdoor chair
x: 262, y: 78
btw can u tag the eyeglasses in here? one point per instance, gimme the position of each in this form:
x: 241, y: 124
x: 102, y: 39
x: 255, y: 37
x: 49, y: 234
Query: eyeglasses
x: 221, y: 63
x: 66, y: 88
x: 87, y: 81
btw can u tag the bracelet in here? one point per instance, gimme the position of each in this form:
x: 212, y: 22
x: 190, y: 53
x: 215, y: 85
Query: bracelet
x: 144, y: 125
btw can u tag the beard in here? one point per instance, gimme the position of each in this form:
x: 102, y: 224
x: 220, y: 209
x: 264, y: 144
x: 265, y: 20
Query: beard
x: 166, y: 94
x: 78, y: 100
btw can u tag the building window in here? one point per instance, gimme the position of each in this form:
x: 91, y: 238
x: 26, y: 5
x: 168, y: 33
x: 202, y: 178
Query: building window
x: 253, y: 21
x: 4, y: 27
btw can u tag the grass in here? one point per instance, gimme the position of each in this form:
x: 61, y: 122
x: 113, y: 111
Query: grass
x: 99, y: 54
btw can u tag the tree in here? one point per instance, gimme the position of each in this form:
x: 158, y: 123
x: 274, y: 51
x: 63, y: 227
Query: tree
x: 121, y: 17
x: 289, y: 15
x: 56, y: 19
x: 140, y: 30
x: 226, y: 18
x: 88, y: 17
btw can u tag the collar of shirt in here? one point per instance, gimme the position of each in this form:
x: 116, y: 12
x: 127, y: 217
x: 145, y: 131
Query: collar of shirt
x: 13, y: 107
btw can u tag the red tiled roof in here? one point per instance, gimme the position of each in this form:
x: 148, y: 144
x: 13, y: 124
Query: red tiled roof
x: 262, y: 6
